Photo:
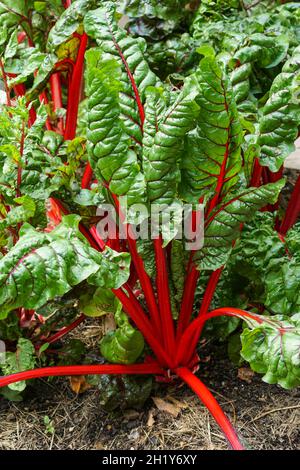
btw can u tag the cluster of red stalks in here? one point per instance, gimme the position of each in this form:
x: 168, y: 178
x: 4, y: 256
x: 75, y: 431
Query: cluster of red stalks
x: 173, y: 345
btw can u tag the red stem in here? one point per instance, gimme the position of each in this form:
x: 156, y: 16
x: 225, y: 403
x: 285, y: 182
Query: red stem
x: 211, y: 404
x: 163, y: 294
x: 210, y: 290
x: 64, y: 331
x: 136, y: 313
x: 129, y: 301
x: 60, y: 371
x: 55, y: 86
x: 75, y: 91
x: 293, y: 210
x: 187, y: 299
x: 192, y: 277
x: 141, y: 272
x: 87, y: 177
x: 257, y: 174
x: 221, y: 178
x: 192, y: 334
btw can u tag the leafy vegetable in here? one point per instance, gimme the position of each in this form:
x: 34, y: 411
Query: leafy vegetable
x: 125, y: 344
x: 273, y: 350
x: 22, y: 359
x: 181, y: 109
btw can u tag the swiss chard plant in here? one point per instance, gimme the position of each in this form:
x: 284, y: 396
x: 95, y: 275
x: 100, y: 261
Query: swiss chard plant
x: 91, y: 118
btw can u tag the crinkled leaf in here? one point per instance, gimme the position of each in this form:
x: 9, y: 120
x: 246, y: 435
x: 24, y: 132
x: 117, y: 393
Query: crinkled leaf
x: 212, y: 151
x: 265, y: 50
x: 282, y: 282
x: 109, y: 153
x: 136, y: 76
x: 19, y: 361
x: 42, y: 266
x: 69, y: 22
x: 272, y: 349
x: 124, y: 345
x: 278, y: 125
x: 165, y: 129
x: 21, y: 213
x: 222, y: 226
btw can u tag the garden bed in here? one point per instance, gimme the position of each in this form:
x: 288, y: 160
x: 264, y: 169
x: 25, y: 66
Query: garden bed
x: 266, y: 417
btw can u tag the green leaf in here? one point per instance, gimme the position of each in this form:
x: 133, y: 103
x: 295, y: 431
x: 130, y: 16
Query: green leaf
x: 222, y: 227
x: 251, y: 153
x: 136, y: 76
x: 42, y: 266
x: 22, y: 213
x: 272, y: 349
x: 109, y: 146
x: 165, y: 128
x: 69, y: 22
x: 123, y: 391
x: 19, y: 361
x: 101, y: 302
x: 114, y: 270
x: 146, y: 252
x: 177, y: 54
x: 278, y: 125
x: 265, y: 50
x: 221, y: 327
x: 30, y: 60
x: 124, y: 345
x: 234, y: 349
x: 12, y: 15
x: 282, y: 281
x: 9, y: 328
x: 72, y: 352
x: 11, y: 395
x: 213, y: 149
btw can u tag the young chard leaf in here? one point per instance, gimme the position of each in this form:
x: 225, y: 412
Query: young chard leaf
x: 125, y: 344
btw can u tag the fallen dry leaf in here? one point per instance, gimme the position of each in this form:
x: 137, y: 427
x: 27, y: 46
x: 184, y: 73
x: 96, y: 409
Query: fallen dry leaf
x: 245, y: 374
x: 150, y: 420
x: 166, y: 406
x: 180, y: 404
x: 79, y: 384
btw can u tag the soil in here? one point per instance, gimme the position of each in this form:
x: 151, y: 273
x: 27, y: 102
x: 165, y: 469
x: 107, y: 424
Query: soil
x: 265, y: 416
